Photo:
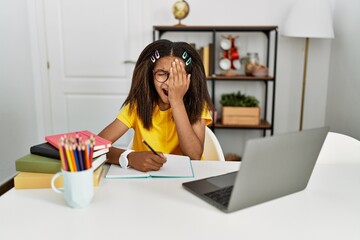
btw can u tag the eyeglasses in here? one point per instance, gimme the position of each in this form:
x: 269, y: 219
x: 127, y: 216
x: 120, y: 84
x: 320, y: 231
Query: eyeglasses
x: 161, y: 76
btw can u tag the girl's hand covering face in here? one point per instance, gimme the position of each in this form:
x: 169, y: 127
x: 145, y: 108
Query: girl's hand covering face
x: 178, y: 82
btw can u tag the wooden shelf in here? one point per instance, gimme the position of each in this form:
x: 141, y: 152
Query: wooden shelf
x: 263, y: 125
x: 270, y: 58
x: 214, y: 28
x: 239, y: 78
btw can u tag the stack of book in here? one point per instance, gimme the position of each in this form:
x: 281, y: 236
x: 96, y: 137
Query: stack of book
x: 37, y: 168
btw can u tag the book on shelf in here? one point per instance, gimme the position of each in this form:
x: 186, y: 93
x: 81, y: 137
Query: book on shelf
x: 100, y: 143
x: 30, y: 180
x: 206, y: 59
x: 211, y: 59
x: 176, y: 166
x: 39, y: 164
x: 47, y: 150
x: 207, y: 56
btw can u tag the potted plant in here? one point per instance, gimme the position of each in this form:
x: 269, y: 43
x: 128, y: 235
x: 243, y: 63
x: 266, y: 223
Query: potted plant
x: 239, y: 109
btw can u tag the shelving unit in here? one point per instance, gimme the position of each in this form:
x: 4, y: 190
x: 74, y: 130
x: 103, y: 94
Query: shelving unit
x: 271, y: 34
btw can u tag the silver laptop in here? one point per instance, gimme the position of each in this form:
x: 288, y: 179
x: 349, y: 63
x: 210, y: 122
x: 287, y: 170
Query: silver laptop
x: 271, y: 167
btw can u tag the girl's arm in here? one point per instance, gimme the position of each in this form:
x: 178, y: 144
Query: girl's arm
x: 191, y: 137
x: 113, y: 132
x: 142, y: 161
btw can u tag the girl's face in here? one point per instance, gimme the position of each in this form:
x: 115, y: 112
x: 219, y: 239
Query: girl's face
x: 161, y: 73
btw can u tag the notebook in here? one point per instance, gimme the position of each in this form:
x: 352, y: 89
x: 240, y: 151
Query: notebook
x: 176, y: 166
x: 271, y: 167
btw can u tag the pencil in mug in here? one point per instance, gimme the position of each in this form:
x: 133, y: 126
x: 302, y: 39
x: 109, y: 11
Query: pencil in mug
x: 70, y: 158
x: 63, y: 159
x: 78, y: 153
x: 73, y: 156
x: 84, y: 156
x: 87, y: 155
x: 91, y: 149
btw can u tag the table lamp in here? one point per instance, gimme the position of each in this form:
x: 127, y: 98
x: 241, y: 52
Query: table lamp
x: 308, y: 19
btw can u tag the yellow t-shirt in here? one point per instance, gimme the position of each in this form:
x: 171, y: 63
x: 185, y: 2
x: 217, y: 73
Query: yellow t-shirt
x: 162, y: 136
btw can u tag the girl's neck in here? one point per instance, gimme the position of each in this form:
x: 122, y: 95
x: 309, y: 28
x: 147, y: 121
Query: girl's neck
x: 163, y: 106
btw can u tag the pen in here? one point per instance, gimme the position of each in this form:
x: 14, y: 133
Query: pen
x: 150, y: 147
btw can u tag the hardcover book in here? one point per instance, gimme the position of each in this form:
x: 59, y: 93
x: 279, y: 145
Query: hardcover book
x: 47, y: 150
x: 36, y: 163
x: 100, y: 143
x: 39, y: 164
x: 29, y: 180
x: 206, y: 60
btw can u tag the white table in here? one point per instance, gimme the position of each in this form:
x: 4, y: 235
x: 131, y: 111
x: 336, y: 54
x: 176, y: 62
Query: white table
x: 161, y: 209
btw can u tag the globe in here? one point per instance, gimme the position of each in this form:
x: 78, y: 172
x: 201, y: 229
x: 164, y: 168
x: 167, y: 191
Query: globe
x: 180, y: 10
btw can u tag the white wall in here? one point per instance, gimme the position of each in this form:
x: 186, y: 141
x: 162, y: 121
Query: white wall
x: 18, y: 128
x: 333, y: 82
x: 343, y: 105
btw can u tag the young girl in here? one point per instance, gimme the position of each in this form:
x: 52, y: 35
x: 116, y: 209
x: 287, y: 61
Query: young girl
x: 168, y: 106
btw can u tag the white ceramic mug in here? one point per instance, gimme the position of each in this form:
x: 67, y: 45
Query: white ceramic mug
x: 78, y: 187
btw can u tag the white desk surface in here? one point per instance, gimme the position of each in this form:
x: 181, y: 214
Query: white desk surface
x: 329, y: 208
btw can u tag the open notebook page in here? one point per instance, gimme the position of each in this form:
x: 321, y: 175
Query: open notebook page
x: 176, y: 166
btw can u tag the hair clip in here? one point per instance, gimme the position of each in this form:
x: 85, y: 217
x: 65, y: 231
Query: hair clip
x: 184, y: 55
x: 154, y: 58
x: 157, y: 54
x: 188, y: 61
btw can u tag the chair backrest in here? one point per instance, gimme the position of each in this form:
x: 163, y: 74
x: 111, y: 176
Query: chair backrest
x: 212, y: 148
x: 130, y: 145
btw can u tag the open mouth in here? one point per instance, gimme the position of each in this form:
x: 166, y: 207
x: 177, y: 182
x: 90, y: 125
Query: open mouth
x: 166, y: 92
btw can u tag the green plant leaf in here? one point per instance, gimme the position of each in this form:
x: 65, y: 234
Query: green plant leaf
x: 238, y: 100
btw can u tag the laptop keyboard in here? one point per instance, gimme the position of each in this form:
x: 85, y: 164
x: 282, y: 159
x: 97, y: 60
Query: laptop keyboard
x: 221, y: 195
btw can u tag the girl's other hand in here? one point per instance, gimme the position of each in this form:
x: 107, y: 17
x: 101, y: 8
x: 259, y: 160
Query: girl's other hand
x: 146, y: 161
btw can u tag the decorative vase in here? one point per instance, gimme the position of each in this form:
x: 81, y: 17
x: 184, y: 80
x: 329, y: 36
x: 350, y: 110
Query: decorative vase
x: 250, y: 61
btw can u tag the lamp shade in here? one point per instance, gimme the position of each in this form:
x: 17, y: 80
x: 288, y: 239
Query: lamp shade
x: 309, y: 19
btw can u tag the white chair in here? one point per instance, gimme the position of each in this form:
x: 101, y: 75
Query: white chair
x: 339, y: 148
x: 212, y: 148
x: 130, y: 145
